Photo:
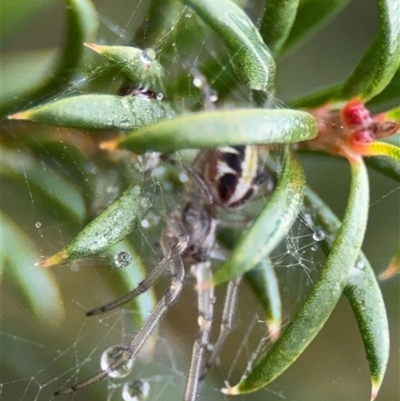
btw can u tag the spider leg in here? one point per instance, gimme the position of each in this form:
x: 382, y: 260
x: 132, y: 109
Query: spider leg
x: 205, y: 291
x: 143, y: 286
x: 170, y: 296
x: 226, y: 323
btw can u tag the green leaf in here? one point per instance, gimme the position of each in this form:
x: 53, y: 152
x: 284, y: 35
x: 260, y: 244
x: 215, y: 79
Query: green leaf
x: 48, y: 186
x: 82, y: 27
x: 389, y: 94
x: 312, y: 16
x: 250, y: 57
x: 139, y: 66
x: 277, y: 22
x: 381, y: 60
x: 14, y: 14
x: 37, y: 286
x: 327, y: 290
x: 270, y: 227
x: 264, y: 283
x: 317, y: 98
x: 217, y: 128
x: 109, y: 228
x: 363, y: 292
x: 99, y: 112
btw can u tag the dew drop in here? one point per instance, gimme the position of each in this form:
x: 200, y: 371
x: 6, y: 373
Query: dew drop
x: 74, y: 267
x: 38, y: 224
x: 145, y: 223
x: 160, y: 96
x: 314, y: 247
x: 122, y: 259
x: 213, y: 96
x: 112, y: 355
x: 197, y: 82
x: 360, y: 264
x: 136, y: 390
x: 318, y: 235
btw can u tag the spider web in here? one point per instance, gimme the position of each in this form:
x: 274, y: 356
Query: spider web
x: 38, y: 359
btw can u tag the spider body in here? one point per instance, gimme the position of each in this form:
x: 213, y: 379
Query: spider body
x: 226, y: 177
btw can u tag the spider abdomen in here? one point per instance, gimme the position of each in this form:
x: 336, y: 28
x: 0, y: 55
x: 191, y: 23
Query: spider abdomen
x: 230, y: 174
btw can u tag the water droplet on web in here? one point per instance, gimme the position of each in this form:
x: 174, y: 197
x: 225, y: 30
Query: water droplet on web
x: 160, y: 96
x: 318, y: 235
x: 188, y: 15
x: 213, y: 96
x: 122, y: 259
x: 150, y: 220
x: 314, y: 247
x: 74, y: 267
x: 112, y: 355
x: 360, y: 264
x: 136, y: 390
x: 38, y: 224
x: 197, y: 82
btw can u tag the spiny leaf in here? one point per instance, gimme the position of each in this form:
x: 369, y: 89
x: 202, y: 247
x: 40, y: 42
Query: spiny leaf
x: 99, y: 112
x: 270, y: 227
x: 381, y: 61
x: 237, y: 127
x: 110, y: 227
x: 319, y: 304
x: 250, y: 57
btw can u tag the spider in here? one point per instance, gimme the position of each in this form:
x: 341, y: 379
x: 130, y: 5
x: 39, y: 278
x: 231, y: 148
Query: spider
x: 225, y: 177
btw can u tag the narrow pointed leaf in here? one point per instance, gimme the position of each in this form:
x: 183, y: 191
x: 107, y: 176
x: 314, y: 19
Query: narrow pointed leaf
x: 99, y: 112
x: 277, y: 22
x: 109, y: 228
x: 381, y: 60
x: 317, y: 98
x: 393, y: 268
x: 394, y: 114
x: 380, y: 149
x: 327, y: 290
x: 139, y: 66
x: 250, y: 57
x: 312, y: 16
x: 46, y: 184
x: 37, y: 286
x: 81, y: 26
x: 389, y: 94
x: 216, y: 128
x: 363, y: 292
x: 270, y: 227
x: 264, y: 283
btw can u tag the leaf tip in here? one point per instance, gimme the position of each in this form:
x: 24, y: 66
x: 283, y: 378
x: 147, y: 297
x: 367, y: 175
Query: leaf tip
x: 274, y: 330
x: 391, y: 270
x: 56, y: 259
x: 23, y: 115
x: 93, y: 46
x: 376, y: 384
x: 230, y: 390
x: 111, y: 144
